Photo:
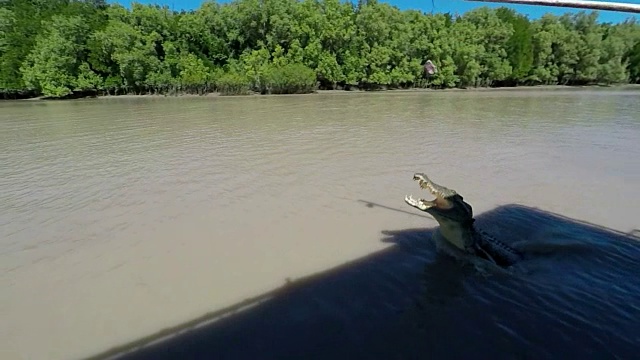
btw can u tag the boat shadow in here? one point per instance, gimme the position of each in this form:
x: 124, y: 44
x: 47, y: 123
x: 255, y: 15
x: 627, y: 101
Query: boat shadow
x: 410, y: 302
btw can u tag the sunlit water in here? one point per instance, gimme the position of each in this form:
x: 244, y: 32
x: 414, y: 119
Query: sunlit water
x: 121, y: 217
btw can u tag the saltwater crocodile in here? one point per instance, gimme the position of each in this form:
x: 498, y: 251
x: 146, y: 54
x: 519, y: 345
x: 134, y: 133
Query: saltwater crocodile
x: 457, y: 226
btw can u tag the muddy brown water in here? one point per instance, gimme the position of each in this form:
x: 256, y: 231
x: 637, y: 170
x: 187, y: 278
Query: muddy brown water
x: 121, y: 217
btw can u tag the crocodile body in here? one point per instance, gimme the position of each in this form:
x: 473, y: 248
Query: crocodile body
x: 457, y: 225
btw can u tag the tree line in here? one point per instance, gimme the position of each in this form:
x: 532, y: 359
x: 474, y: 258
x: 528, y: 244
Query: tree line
x: 58, y: 48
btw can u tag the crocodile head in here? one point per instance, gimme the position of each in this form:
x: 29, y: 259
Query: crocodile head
x: 452, y: 213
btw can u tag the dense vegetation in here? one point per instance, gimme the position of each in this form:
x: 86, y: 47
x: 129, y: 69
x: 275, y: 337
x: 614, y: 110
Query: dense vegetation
x: 57, y: 48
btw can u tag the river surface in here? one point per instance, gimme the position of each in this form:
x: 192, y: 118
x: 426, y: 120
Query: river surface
x: 121, y: 217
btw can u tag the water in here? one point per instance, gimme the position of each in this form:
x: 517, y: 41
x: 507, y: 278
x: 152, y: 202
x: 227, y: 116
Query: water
x: 121, y: 217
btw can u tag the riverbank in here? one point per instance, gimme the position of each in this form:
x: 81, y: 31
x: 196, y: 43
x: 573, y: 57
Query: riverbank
x: 355, y: 91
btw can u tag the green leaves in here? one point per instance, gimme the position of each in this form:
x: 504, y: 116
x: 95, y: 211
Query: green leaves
x: 194, y: 75
x: 53, y: 65
x: 7, y: 20
x: 633, y: 59
x: 87, y: 79
x: 58, y: 47
x: 519, y: 47
x: 288, y: 79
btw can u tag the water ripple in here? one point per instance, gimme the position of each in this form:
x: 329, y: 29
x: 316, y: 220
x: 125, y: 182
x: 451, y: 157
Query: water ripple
x: 215, y: 199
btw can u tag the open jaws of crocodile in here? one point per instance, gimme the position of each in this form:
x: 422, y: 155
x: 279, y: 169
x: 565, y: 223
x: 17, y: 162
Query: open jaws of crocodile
x: 441, y: 193
x: 456, y: 221
x: 448, y: 208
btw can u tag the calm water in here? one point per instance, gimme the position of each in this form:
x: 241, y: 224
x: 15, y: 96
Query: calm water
x: 122, y: 217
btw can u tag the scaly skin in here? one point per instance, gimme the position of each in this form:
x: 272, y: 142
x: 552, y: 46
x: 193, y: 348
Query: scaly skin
x: 457, y: 226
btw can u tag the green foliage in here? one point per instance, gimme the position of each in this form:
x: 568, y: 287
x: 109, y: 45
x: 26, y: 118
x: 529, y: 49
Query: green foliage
x: 633, y: 58
x: 52, y: 67
x: 293, y: 78
x: 24, y: 28
x: 59, y: 47
x: 233, y: 83
x: 519, y: 47
x: 87, y: 79
x: 7, y: 19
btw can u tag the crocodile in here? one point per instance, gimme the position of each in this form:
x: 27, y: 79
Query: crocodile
x: 457, y: 225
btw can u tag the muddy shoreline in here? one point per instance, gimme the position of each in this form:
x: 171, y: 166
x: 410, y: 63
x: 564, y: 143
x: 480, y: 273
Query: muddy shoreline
x: 353, y: 91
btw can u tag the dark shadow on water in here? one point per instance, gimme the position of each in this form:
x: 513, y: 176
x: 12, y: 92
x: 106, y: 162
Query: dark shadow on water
x: 409, y: 302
